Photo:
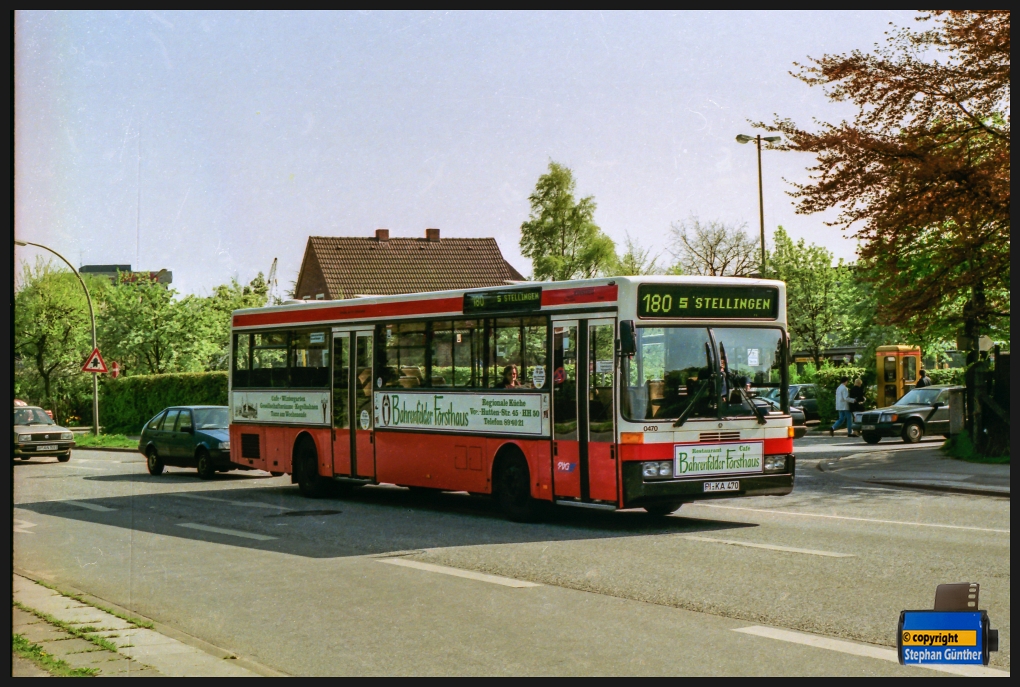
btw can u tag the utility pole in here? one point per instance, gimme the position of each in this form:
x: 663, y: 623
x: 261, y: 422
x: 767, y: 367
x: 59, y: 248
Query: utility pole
x: 761, y: 196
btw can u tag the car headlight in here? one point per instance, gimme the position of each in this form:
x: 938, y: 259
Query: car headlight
x: 775, y: 463
x: 24, y: 438
x: 66, y: 436
x: 857, y: 417
x: 225, y: 445
x: 657, y: 469
x: 889, y: 417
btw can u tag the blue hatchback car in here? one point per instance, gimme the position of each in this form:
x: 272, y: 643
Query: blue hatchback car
x: 188, y: 436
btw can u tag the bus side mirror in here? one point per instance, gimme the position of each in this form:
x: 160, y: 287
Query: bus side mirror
x: 628, y: 344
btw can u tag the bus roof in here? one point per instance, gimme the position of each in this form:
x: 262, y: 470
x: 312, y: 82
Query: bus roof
x: 560, y: 295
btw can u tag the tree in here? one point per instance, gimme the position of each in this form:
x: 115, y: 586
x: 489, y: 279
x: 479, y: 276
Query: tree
x: 713, y: 249
x: 922, y: 171
x: 813, y: 292
x: 560, y: 236
x: 52, y: 335
x: 636, y: 261
x: 216, y: 313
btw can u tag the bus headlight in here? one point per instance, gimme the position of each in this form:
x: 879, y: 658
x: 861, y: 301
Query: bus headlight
x: 657, y: 470
x: 775, y: 463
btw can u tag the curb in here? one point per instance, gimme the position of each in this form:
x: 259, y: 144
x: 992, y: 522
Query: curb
x: 111, y: 449
x: 941, y: 487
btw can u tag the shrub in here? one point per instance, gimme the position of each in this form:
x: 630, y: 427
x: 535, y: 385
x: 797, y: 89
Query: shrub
x: 953, y: 375
x: 126, y: 404
x: 827, y: 380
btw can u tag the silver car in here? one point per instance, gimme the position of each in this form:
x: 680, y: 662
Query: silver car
x: 36, y: 435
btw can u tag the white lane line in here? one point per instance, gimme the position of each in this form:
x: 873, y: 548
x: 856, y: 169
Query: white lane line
x: 865, y: 650
x: 847, y: 517
x: 771, y: 547
x: 21, y: 526
x: 246, y: 504
x: 457, y: 572
x: 89, y: 506
x: 223, y: 530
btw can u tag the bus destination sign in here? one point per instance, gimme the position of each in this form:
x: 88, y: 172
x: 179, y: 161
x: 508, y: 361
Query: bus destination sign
x: 697, y: 301
x: 514, y: 300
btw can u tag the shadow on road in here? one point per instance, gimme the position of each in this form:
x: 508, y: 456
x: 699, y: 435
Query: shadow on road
x: 367, y: 521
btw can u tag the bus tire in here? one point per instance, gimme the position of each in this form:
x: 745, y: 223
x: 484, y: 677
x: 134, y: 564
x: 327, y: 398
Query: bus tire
x: 912, y: 432
x: 663, y: 509
x: 206, y: 469
x: 154, y: 463
x: 306, y: 469
x: 512, y: 488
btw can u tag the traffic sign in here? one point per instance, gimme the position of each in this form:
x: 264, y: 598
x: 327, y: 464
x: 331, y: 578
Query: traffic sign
x: 94, y: 363
x: 114, y: 369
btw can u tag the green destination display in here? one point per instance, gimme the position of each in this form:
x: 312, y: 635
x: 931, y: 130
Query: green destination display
x: 514, y: 300
x: 697, y: 301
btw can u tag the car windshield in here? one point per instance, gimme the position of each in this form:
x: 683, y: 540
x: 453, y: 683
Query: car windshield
x: 675, y: 370
x: 31, y: 416
x: 211, y: 418
x: 919, y: 397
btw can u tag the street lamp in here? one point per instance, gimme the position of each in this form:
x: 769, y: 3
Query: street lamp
x: 741, y: 138
x: 92, y: 316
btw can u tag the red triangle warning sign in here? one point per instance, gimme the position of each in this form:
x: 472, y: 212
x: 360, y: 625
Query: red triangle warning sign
x: 94, y: 363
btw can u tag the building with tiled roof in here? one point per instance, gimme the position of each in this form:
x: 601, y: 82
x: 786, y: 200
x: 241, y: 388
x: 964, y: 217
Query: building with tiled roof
x: 336, y: 267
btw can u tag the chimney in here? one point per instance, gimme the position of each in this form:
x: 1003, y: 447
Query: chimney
x: 432, y: 234
x: 382, y: 234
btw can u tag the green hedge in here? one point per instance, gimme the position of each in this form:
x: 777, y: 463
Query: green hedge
x: 953, y: 375
x: 126, y: 404
x: 828, y: 379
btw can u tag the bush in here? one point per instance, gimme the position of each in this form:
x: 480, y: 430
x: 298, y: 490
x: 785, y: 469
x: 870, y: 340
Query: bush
x: 126, y: 404
x: 827, y: 380
x: 953, y: 375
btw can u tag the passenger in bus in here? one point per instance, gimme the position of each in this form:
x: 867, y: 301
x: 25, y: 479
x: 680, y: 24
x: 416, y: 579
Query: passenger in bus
x: 509, y: 380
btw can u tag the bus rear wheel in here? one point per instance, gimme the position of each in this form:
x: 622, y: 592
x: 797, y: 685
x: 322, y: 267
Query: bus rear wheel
x: 512, y: 487
x: 663, y: 509
x: 306, y: 470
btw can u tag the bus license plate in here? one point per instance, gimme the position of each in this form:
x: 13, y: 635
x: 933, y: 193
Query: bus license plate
x: 46, y: 447
x: 867, y: 426
x: 722, y: 486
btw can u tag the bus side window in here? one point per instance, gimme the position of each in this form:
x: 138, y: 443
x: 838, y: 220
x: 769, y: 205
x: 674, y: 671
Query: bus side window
x: 242, y: 360
x: 564, y: 379
x: 269, y: 360
x: 402, y: 363
x: 309, y: 359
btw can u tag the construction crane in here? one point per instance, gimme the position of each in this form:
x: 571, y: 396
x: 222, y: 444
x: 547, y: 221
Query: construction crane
x: 271, y: 284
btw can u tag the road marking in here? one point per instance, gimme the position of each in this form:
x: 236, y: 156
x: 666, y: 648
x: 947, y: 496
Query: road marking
x: 246, y: 504
x: 847, y: 517
x: 771, y: 547
x: 89, y: 506
x: 223, y: 530
x: 22, y: 526
x: 881, y: 653
x: 457, y: 572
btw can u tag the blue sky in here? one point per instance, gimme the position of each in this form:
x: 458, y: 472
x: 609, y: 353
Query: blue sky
x: 256, y: 130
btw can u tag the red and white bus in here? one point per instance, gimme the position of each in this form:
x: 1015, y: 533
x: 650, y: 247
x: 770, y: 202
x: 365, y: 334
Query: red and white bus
x: 607, y: 393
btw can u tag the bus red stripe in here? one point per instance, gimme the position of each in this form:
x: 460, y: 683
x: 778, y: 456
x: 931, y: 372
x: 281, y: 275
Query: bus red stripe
x: 352, y: 312
x: 589, y: 294
x: 664, y: 451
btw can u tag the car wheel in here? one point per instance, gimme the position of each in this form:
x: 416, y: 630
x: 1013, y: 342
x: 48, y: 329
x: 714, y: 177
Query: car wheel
x: 206, y: 469
x: 663, y: 509
x: 26, y: 457
x: 913, y: 432
x: 513, y: 490
x: 154, y: 463
x: 870, y: 438
x: 64, y: 458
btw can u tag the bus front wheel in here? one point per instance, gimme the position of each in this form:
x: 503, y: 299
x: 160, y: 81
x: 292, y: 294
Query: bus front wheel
x: 663, y: 509
x: 512, y: 487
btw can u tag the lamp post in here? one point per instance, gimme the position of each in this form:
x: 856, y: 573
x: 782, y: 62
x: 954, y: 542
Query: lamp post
x: 741, y: 138
x: 92, y: 316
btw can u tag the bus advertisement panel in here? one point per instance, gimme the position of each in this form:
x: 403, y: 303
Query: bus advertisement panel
x: 607, y: 393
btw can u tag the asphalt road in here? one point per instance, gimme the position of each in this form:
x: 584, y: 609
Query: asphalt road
x: 309, y: 587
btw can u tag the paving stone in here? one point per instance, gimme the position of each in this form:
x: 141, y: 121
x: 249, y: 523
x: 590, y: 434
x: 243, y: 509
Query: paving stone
x: 22, y: 667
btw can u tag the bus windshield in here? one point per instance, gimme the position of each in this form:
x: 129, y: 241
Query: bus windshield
x: 699, y: 371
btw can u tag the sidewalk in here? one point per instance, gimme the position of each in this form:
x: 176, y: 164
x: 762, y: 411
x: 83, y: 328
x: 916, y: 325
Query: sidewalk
x: 926, y: 469
x: 85, y: 637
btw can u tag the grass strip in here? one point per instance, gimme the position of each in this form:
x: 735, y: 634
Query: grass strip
x: 137, y: 622
x: 48, y: 662
x: 104, y: 441
x: 80, y: 633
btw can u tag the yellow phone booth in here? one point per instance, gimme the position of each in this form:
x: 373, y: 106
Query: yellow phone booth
x: 897, y: 368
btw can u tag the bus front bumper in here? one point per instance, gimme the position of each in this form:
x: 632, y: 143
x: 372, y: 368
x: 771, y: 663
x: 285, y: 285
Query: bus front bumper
x: 638, y: 492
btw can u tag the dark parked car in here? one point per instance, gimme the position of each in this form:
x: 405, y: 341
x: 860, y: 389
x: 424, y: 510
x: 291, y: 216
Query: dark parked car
x: 188, y: 436
x: 37, y: 435
x: 799, y: 426
x: 802, y: 396
x: 920, y: 412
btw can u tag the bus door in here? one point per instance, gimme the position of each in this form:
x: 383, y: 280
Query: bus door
x: 601, y: 410
x: 584, y: 450
x: 341, y: 403
x: 363, y: 414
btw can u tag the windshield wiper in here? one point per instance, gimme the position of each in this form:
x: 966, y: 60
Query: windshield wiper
x: 690, y: 406
x: 754, y: 406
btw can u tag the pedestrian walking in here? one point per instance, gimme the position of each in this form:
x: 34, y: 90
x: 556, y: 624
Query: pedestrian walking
x: 856, y: 400
x: 923, y: 379
x: 843, y: 408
